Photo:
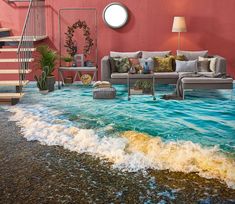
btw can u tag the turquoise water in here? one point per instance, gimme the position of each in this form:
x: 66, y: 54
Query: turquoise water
x: 205, y: 117
x: 193, y: 135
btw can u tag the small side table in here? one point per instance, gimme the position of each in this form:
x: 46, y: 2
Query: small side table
x: 77, y: 71
x: 140, y: 77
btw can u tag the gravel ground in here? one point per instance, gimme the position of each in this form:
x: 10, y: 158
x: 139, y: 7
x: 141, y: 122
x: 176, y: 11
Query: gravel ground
x: 34, y: 173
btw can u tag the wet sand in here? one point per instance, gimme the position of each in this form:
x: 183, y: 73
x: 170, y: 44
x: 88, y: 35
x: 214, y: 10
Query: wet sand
x: 34, y: 173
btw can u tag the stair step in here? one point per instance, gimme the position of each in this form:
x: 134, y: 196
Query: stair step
x: 18, y: 38
x: 13, y: 71
x: 18, y: 1
x: 16, y: 49
x: 13, y: 83
x: 11, y: 95
x: 16, y: 60
x: 5, y: 29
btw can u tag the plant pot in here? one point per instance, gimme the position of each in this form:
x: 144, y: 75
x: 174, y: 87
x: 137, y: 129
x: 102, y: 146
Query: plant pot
x: 68, y: 64
x: 43, y: 92
x: 147, y: 91
x: 51, y: 83
x: 68, y: 80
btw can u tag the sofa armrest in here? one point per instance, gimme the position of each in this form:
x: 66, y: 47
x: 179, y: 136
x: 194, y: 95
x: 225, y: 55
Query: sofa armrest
x: 221, y: 65
x: 105, y: 69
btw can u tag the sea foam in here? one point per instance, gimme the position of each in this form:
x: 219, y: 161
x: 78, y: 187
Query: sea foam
x: 130, y: 150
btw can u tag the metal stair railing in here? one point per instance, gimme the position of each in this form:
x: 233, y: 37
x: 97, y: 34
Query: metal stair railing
x: 34, y: 27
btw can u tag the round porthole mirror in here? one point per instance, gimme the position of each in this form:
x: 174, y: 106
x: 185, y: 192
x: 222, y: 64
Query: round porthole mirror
x: 115, y: 15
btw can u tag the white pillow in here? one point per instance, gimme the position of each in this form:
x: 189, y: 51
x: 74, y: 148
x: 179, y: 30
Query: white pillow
x: 147, y: 54
x: 186, y: 66
x: 212, y: 62
x: 126, y: 54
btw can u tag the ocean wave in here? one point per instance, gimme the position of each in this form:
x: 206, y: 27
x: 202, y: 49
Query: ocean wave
x: 130, y: 150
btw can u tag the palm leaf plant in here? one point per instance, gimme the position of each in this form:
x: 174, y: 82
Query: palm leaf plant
x: 47, y: 62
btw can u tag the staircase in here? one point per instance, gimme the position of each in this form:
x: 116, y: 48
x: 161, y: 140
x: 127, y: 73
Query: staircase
x: 16, y: 52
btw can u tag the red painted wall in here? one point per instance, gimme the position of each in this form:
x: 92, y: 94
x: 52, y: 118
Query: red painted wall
x: 210, y: 25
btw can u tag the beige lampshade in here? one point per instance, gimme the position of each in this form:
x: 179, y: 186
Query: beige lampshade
x: 179, y: 24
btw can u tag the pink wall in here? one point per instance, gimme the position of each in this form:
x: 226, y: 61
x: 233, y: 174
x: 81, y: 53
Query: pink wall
x: 210, y: 25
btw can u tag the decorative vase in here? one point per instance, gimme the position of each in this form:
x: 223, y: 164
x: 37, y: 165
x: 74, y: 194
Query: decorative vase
x: 50, y: 83
x: 132, y: 70
x: 146, y: 68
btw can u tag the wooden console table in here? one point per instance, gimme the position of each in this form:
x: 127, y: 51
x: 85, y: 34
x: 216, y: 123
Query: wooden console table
x: 77, y: 71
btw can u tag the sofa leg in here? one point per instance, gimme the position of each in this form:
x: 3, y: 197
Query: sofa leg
x: 231, y: 94
x: 183, y: 94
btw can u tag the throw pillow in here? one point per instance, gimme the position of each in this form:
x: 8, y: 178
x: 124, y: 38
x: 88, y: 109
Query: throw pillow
x: 186, y: 66
x: 126, y: 54
x: 147, y: 54
x: 175, y: 57
x: 212, y: 61
x: 203, y: 65
x: 192, y: 55
x: 149, y: 61
x: 134, y: 62
x: 121, y: 65
x: 163, y: 64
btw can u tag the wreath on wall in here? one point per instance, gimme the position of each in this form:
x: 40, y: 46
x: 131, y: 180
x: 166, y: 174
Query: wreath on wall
x: 71, y: 44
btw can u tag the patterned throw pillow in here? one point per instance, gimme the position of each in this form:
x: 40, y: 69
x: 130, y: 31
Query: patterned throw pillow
x: 163, y: 64
x: 149, y: 61
x: 121, y: 65
x: 134, y: 62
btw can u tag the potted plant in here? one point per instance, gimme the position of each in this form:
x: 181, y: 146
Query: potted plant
x: 42, y: 83
x: 147, y: 87
x: 138, y: 85
x: 47, y: 62
x: 68, y: 60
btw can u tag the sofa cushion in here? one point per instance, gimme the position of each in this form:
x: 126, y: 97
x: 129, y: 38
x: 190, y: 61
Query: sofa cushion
x: 192, y: 55
x: 147, y: 54
x: 126, y: 54
x: 186, y: 66
x: 163, y: 64
x: 212, y: 62
x: 206, y: 74
x: 121, y: 65
x: 206, y: 80
x: 166, y: 75
x: 117, y: 75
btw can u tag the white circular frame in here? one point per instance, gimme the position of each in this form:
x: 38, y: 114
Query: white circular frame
x: 115, y: 15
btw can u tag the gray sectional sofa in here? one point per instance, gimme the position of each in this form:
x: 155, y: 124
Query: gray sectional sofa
x: 216, y: 79
x: 161, y: 77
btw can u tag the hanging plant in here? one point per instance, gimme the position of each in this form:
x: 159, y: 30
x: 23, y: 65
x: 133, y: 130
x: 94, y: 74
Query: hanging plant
x: 71, y: 44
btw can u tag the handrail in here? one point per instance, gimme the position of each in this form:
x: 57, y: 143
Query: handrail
x: 25, y: 24
x: 34, y: 26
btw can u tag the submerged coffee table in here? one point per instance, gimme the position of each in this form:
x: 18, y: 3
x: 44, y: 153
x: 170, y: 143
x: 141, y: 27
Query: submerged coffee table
x: 140, y: 77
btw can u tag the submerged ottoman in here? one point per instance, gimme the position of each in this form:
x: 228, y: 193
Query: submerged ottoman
x: 104, y: 93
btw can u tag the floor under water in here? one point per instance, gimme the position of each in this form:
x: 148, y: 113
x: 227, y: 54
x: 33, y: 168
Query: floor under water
x: 195, y: 135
